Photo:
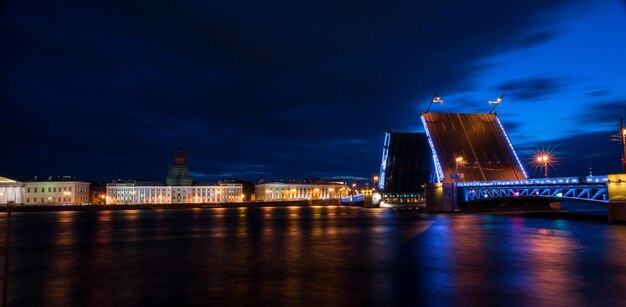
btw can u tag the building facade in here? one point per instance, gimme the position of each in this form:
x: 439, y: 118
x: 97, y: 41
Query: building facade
x: 120, y: 193
x: 299, y: 190
x: 11, y: 191
x: 178, y: 189
x: 44, y: 193
x: 56, y: 193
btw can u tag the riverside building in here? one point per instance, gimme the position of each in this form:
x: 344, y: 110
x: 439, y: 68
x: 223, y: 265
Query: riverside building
x: 299, y: 190
x: 11, y: 191
x: 179, y: 189
x: 138, y: 192
x: 62, y: 191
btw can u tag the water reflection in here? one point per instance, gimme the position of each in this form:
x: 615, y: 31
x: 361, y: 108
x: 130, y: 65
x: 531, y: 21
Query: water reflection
x: 311, y: 255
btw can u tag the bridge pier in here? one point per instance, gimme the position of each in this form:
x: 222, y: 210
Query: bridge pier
x: 617, y: 198
x: 441, y: 197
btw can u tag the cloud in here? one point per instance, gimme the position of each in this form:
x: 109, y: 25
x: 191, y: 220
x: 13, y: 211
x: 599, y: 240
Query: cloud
x: 608, y: 112
x: 575, y: 153
x: 531, y: 89
x: 113, y: 89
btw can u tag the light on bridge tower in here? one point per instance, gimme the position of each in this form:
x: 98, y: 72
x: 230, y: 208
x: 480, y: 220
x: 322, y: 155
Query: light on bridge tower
x: 495, y: 103
x: 437, y: 99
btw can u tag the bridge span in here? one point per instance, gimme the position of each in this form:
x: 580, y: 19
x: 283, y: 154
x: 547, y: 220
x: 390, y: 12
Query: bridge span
x: 589, y: 188
x: 473, y: 160
x: 607, y: 190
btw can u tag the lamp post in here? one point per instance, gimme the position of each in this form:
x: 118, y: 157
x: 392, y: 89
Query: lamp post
x: 457, y: 161
x: 67, y: 197
x: 437, y: 99
x: 623, y: 139
x: 545, y: 159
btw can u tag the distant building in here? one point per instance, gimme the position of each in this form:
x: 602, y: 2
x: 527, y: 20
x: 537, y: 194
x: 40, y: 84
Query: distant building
x: 56, y: 192
x: 64, y: 191
x: 178, y: 172
x: 407, y: 165
x: 137, y: 192
x: 299, y: 190
x: 11, y: 190
x: 179, y: 189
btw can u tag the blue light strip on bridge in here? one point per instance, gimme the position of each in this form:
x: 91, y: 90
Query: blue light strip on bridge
x: 383, y: 165
x: 438, y: 169
x: 512, y: 149
x: 539, y: 181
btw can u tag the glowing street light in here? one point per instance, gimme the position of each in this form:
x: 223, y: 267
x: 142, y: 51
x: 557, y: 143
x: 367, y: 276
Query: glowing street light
x: 67, y: 197
x: 623, y: 141
x: 458, y: 161
x: 495, y: 103
x: 545, y: 159
x: 436, y: 99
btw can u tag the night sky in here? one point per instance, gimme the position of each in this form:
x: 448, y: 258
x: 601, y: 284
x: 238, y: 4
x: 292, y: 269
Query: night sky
x: 293, y: 89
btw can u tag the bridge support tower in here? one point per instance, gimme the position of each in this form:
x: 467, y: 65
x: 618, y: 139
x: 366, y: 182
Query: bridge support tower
x: 441, y: 197
x: 617, y: 198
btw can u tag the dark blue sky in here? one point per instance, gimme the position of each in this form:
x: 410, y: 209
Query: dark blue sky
x: 288, y: 89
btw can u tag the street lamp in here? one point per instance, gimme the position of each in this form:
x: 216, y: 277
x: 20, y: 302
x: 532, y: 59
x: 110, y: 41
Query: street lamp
x: 545, y: 159
x: 458, y: 161
x: 437, y: 99
x: 623, y: 139
x: 67, y: 197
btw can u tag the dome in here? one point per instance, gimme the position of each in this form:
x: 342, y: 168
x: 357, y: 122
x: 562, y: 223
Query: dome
x: 179, y: 158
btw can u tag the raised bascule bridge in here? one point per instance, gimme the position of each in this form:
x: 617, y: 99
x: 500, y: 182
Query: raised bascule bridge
x: 474, y: 162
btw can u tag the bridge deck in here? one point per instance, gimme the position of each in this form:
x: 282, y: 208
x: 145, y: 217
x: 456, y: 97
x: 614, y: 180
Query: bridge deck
x: 479, y: 139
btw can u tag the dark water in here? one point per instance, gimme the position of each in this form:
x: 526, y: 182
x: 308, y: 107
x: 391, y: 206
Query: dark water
x: 312, y: 256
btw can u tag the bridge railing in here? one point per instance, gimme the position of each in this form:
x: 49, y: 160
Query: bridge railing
x: 587, y: 193
x: 538, y: 181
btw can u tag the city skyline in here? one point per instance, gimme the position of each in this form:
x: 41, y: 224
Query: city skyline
x: 100, y: 92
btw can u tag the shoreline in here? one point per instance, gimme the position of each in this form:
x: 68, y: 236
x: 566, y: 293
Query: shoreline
x: 299, y: 203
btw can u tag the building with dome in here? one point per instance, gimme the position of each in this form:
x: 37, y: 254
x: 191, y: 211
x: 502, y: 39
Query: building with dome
x: 178, y: 189
x: 178, y: 172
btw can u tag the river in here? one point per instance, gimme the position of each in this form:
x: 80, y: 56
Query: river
x: 311, y: 256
